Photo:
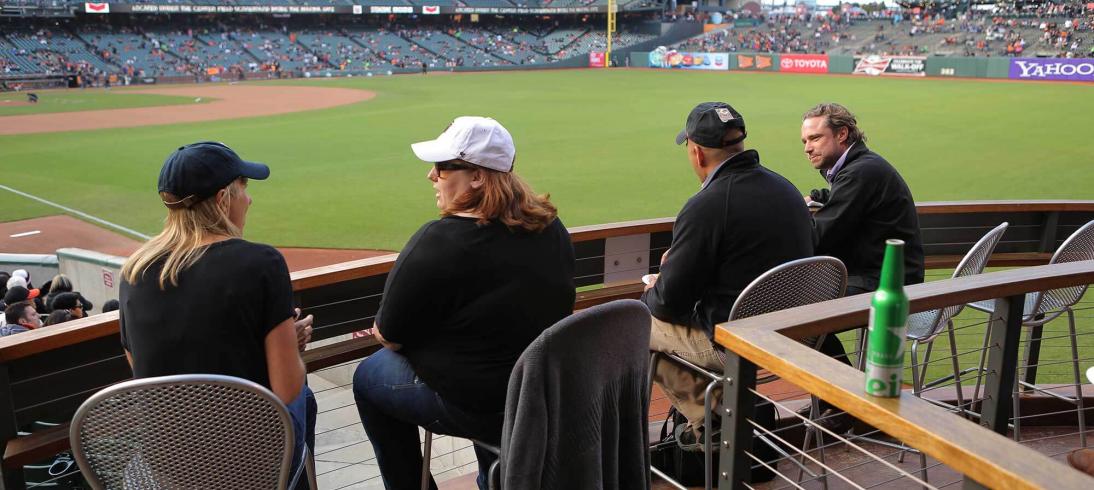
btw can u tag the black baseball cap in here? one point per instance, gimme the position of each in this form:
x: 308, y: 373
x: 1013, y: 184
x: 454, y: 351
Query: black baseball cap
x: 197, y: 171
x: 707, y: 125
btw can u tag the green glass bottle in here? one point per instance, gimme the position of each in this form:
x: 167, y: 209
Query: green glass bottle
x: 888, y: 326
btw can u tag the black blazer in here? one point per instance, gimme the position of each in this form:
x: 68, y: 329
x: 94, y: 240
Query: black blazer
x: 747, y: 220
x: 868, y: 204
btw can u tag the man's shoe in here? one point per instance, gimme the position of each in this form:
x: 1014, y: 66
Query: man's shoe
x: 691, y: 438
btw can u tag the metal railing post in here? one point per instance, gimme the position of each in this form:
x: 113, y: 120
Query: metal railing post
x: 738, y: 407
x: 1006, y: 330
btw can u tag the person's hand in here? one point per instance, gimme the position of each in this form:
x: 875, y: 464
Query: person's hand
x: 392, y: 346
x: 808, y: 199
x: 653, y: 280
x: 303, y: 329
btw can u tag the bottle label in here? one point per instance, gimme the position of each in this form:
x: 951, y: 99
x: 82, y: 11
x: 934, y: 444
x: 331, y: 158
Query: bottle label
x: 884, y: 357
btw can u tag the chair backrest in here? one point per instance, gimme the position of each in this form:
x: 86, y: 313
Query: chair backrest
x: 1078, y: 247
x: 576, y: 412
x: 971, y: 264
x: 184, y: 431
x: 796, y: 283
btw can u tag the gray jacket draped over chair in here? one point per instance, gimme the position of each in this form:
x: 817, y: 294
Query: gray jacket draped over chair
x: 577, y: 407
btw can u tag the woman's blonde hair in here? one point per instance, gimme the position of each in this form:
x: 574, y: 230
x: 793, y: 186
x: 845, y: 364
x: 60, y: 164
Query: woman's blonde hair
x: 507, y: 198
x: 182, y: 241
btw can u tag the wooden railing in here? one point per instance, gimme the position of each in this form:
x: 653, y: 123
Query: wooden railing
x: 45, y: 374
x: 980, y: 452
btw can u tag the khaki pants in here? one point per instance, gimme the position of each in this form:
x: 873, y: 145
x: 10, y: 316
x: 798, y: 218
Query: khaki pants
x: 683, y: 386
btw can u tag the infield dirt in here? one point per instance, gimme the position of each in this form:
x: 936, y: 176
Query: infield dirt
x: 232, y: 101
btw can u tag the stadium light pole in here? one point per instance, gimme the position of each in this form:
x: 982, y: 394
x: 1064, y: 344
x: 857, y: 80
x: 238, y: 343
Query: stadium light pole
x: 612, y: 6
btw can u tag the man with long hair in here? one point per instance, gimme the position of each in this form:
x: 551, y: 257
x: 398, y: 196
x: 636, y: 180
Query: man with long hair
x: 867, y: 204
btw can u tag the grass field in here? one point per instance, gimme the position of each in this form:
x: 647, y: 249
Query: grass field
x: 85, y: 100
x: 598, y: 141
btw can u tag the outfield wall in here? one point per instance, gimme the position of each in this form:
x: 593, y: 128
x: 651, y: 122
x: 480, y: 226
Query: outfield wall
x: 1044, y: 69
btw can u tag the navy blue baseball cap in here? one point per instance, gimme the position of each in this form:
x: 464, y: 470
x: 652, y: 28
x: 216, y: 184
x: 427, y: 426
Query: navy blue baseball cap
x: 707, y: 125
x: 197, y: 171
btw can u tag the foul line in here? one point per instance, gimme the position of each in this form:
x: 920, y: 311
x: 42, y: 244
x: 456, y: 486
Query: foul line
x: 81, y: 214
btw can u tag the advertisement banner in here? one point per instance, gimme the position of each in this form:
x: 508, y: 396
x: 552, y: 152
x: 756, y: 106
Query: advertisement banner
x: 900, y: 66
x: 755, y: 62
x: 670, y: 58
x: 596, y: 59
x: 803, y: 63
x: 171, y: 7
x: 96, y: 8
x: 1073, y: 69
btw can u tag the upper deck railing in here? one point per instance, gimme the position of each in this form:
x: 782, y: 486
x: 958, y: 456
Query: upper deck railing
x: 45, y: 374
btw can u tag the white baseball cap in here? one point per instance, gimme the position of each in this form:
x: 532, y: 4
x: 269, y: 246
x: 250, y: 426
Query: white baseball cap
x: 17, y: 281
x: 477, y: 140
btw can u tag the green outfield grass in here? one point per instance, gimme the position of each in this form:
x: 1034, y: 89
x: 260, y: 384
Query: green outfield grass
x: 84, y: 100
x: 600, y: 142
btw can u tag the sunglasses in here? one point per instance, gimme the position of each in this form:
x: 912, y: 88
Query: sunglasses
x: 452, y: 165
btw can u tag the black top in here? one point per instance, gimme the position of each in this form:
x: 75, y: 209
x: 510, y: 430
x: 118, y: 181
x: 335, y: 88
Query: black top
x: 215, y: 321
x: 746, y: 221
x: 465, y: 300
x: 869, y: 203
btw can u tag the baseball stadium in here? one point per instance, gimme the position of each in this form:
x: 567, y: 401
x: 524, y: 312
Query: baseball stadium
x: 546, y: 244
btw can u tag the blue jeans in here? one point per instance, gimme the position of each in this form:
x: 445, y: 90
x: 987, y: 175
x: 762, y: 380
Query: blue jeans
x: 303, y: 410
x: 393, y: 403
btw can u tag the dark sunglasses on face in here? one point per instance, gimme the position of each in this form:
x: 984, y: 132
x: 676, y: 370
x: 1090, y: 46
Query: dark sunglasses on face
x: 452, y: 165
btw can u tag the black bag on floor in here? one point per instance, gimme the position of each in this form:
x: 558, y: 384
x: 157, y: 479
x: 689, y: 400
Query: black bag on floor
x: 686, y: 467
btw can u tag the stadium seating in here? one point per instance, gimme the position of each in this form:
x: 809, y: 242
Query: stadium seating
x: 129, y: 49
x: 341, y: 52
x: 162, y: 46
x: 394, y: 49
x: 48, y: 50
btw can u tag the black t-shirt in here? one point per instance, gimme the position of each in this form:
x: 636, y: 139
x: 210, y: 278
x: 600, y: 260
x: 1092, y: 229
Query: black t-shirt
x: 465, y: 300
x: 215, y: 321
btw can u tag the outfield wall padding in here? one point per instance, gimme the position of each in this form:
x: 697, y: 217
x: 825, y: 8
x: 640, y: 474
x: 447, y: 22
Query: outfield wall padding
x: 935, y: 66
x: 841, y: 64
x: 968, y: 66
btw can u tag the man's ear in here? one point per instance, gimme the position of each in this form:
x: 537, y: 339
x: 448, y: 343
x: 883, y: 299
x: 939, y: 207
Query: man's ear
x: 842, y: 135
x: 700, y: 157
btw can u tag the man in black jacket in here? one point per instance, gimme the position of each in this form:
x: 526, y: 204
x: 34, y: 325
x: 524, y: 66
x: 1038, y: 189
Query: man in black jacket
x: 867, y: 204
x: 744, y: 220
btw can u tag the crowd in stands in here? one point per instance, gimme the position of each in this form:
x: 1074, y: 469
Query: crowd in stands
x: 1061, y: 30
x: 28, y: 308
x: 250, y: 47
x: 777, y: 34
x: 1054, y: 30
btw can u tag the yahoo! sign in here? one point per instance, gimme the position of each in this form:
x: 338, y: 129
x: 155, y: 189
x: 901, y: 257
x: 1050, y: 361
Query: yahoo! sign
x: 1077, y: 69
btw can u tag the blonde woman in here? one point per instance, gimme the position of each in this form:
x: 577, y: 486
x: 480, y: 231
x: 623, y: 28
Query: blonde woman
x: 466, y: 296
x: 197, y: 298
